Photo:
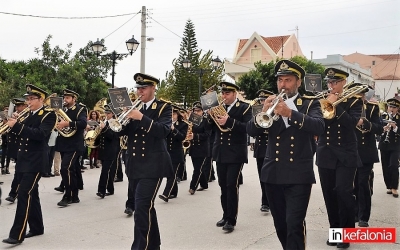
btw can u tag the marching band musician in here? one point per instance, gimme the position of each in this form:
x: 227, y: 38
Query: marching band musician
x: 389, y: 146
x: 12, y: 149
x: 94, y: 152
x: 230, y: 152
x: 287, y: 171
x: 368, y: 126
x: 148, y: 160
x: 260, y: 148
x: 174, y: 146
x: 71, y: 148
x: 33, y: 133
x: 108, y: 153
x: 337, y: 154
x: 199, y: 151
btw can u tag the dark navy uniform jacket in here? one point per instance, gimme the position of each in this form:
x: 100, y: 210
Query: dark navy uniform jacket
x: 174, y: 141
x: 108, y: 144
x: 147, y: 153
x: 289, y: 155
x: 231, y: 146
x: 200, y: 145
x: 33, y: 135
x: 339, y: 141
x: 394, y: 137
x: 260, y: 143
x: 78, y: 116
x: 372, y: 126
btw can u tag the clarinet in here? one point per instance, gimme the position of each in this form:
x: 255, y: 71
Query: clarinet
x: 390, y: 116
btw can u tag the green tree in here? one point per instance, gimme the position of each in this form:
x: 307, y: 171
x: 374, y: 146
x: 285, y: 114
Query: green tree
x: 263, y: 76
x: 183, y: 84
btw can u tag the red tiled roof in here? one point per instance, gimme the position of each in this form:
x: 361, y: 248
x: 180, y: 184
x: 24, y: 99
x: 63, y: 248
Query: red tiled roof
x: 388, y: 56
x: 388, y: 77
x: 275, y: 42
x: 242, y: 42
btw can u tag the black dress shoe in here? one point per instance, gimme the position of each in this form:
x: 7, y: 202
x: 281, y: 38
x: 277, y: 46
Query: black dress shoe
x: 75, y: 200
x: 228, y: 227
x: 12, y: 241
x: 221, y: 223
x: 10, y: 199
x: 201, y: 189
x: 343, y: 245
x: 128, y: 211
x: 46, y: 175
x: 118, y: 180
x: 264, y: 208
x: 59, y: 189
x: 331, y: 244
x: 101, y: 195
x: 64, y: 202
x: 109, y: 193
x: 30, y: 234
x: 172, y: 196
x: 362, y: 223
x: 51, y: 175
x: 163, y: 197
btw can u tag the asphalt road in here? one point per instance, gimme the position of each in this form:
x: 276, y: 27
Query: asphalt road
x: 187, y: 222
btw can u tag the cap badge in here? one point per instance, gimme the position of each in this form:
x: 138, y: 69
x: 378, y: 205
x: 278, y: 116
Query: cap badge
x: 224, y: 85
x: 331, y: 72
x: 284, y: 66
x: 139, y: 78
x: 28, y: 89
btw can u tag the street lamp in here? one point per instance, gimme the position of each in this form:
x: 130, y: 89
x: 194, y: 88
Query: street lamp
x: 97, y: 47
x: 187, y: 65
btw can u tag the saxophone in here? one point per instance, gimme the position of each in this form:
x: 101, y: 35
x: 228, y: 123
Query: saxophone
x: 186, y: 143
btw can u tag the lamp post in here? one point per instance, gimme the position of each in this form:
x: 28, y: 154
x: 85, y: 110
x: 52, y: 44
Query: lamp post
x: 97, y: 47
x: 187, y: 65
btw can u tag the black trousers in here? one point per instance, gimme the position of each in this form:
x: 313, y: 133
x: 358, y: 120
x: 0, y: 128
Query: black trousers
x: 146, y: 232
x: 264, y: 199
x: 228, y: 180
x: 107, y: 175
x: 390, y: 168
x: 28, y: 207
x: 362, y: 191
x: 199, y: 173
x: 171, y: 188
x: 5, y: 160
x: 337, y: 189
x: 288, y: 204
x: 70, y: 169
x: 15, y: 185
x: 120, y: 174
x: 52, y: 151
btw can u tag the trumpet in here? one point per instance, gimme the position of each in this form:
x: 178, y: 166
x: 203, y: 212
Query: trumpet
x: 123, y: 120
x: 4, y: 128
x: 266, y: 119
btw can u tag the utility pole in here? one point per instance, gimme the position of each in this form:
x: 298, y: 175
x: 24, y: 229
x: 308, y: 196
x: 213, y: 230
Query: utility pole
x: 143, y: 42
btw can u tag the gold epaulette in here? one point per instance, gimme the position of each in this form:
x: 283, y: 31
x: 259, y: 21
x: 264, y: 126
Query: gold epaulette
x: 81, y: 104
x: 163, y: 100
x: 373, y: 103
x: 47, y: 109
x: 358, y: 96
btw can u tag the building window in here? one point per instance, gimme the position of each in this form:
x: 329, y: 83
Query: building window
x: 255, y: 55
x: 373, y: 62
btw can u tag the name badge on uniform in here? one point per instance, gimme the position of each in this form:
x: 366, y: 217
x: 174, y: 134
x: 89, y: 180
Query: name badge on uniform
x: 154, y: 105
x: 299, y: 102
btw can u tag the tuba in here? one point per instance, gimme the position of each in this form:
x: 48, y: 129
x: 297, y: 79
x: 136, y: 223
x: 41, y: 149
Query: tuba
x: 329, y: 109
x: 122, y: 120
x: 266, y: 119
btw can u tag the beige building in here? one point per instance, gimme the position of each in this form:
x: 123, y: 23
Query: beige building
x: 385, y: 70
x: 259, y: 48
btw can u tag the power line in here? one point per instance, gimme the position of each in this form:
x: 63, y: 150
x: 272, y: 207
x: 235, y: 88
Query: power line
x: 60, y: 17
x: 122, y: 25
